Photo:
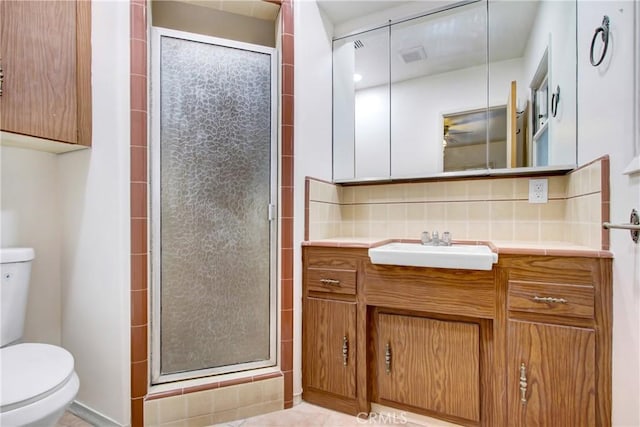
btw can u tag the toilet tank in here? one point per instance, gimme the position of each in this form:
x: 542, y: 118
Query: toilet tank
x: 15, y: 272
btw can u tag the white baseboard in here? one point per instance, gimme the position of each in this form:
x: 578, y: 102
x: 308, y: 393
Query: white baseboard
x: 297, y: 399
x: 92, y: 417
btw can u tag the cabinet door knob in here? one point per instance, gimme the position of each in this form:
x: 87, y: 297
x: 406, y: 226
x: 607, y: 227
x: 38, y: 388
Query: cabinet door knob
x: 523, y: 383
x: 550, y: 300
x: 387, y: 358
x: 345, y: 350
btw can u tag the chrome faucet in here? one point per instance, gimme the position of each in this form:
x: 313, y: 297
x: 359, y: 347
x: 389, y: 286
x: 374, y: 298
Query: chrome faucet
x: 434, y: 239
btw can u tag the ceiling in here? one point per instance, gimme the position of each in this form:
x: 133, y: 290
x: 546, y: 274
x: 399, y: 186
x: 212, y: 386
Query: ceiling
x: 254, y: 8
x: 339, y: 11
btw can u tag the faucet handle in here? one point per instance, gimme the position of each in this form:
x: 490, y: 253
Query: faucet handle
x: 446, y: 238
x: 425, y: 238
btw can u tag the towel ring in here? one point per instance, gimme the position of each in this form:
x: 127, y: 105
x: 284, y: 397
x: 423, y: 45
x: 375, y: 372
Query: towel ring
x: 603, y: 30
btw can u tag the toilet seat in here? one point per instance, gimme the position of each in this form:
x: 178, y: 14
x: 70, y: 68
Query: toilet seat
x: 31, y: 372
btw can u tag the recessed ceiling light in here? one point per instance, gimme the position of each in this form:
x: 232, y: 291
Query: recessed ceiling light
x: 357, y: 78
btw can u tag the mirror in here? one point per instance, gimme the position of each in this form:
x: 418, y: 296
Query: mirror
x: 465, y: 139
x: 486, y: 87
x: 535, y: 77
x: 447, y: 76
x: 361, y: 106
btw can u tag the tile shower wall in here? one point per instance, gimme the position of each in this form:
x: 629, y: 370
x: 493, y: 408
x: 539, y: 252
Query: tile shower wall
x: 216, y: 406
x: 471, y: 209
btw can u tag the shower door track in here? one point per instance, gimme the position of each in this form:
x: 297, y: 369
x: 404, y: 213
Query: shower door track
x: 156, y: 376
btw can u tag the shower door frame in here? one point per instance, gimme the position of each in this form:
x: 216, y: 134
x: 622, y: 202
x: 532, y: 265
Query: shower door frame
x: 270, y: 211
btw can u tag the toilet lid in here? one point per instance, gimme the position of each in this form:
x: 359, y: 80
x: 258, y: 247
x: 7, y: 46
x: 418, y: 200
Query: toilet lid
x: 30, y: 370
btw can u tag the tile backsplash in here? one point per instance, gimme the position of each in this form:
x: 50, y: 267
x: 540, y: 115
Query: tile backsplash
x: 494, y: 208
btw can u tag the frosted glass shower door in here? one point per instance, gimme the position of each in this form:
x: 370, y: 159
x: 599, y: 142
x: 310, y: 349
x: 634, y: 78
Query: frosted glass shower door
x: 213, y: 183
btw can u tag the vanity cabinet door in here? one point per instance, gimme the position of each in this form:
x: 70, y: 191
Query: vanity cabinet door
x: 429, y: 364
x: 46, y: 62
x: 329, y: 346
x: 551, y: 379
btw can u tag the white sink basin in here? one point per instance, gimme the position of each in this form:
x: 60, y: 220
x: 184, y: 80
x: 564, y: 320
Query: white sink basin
x: 466, y: 257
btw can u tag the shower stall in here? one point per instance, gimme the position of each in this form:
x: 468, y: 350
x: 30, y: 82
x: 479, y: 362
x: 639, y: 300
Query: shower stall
x: 213, y: 195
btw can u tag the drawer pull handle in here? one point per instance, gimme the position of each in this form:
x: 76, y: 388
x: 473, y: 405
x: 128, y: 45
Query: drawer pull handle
x: 345, y: 351
x: 387, y: 358
x: 523, y: 383
x: 550, y: 300
x: 330, y: 282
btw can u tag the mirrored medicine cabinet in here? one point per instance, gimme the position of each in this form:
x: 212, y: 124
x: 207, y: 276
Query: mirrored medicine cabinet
x: 482, y: 87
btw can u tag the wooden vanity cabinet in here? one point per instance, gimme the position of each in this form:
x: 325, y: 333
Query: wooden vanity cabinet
x: 429, y: 364
x: 329, y: 328
x: 551, y: 375
x: 45, y: 55
x: 559, y: 341
x: 431, y: 346
x: 330, y: 346
x: 525, y: 344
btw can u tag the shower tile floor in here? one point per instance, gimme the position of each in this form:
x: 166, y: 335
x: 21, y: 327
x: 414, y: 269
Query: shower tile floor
x: 302, y: 415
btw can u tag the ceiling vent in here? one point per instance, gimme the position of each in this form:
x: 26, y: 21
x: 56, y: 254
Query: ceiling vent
x: 358, y: 44
x: 413, y: 54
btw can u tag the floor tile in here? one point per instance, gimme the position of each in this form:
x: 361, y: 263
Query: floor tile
x: 70, y: 420
x: 307, y: 415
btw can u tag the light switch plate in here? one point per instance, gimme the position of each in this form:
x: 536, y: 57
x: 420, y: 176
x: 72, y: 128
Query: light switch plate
x: 538, y: 190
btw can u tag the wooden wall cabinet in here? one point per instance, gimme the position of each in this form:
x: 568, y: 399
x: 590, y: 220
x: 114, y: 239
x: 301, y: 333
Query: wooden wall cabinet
x: 45, y: 55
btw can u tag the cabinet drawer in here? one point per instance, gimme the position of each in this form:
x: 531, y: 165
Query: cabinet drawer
x: 549, y: 298
x: 331, y: 280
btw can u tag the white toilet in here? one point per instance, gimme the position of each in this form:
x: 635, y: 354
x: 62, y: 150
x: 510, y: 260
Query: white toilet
x: 38, y: 380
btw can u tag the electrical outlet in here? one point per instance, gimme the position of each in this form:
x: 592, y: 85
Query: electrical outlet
x: 538, y: 190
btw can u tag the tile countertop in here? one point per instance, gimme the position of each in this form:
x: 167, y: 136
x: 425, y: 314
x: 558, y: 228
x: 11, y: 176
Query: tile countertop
x: 501, y: 247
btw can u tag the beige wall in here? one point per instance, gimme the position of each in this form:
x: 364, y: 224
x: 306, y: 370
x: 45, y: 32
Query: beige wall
x: 609, y: 130
x: 211, y: 22
x: 94, y: 224
x: 30, y: 217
